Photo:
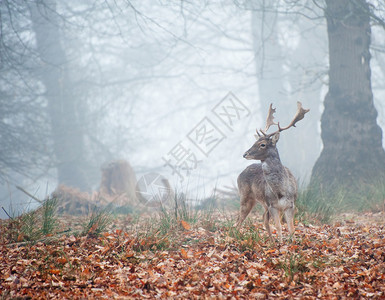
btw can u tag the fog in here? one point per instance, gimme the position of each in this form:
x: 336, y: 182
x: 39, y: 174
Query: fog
x: 139, y: 80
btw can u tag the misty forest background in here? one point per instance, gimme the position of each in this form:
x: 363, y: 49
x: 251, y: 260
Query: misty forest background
x: 84, y: 83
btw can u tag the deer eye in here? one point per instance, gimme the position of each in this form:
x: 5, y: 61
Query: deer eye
x: 263, y: 145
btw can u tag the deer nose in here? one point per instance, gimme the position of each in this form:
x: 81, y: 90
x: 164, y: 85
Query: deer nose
x: 246, y: 154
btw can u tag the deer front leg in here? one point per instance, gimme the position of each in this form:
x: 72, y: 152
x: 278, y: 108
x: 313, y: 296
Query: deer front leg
x: 247, y: 204
x: 289, y: 217
x: 276, y: 217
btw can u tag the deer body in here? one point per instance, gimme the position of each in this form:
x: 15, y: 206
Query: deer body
x: 269, y: 182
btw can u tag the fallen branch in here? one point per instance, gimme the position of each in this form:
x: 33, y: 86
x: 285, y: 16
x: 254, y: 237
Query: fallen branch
x: 32, y: 196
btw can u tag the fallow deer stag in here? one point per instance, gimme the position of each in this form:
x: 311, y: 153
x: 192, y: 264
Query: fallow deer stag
x: 270, y: 183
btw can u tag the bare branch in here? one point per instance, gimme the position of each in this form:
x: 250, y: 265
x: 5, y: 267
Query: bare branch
x: 32, y: 196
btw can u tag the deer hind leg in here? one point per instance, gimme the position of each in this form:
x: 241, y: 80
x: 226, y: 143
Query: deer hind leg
x: 289, y: 217
x: 247, y: 204
x: 266, y: 219
x: 276, y: 217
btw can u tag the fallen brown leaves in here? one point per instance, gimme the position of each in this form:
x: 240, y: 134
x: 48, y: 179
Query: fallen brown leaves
x: 345, y: 260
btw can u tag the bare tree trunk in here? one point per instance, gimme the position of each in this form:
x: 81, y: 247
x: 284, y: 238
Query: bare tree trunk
x: 306, y: 88
x: 268, y: 57
x: 270, y: 61
x: 352, y: 140
x: 67, y: 133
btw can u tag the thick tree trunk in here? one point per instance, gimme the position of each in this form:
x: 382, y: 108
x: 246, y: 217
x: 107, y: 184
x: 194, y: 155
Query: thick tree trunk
x: 298, y: 151
x: 352, y: 140
x: 67, y: 132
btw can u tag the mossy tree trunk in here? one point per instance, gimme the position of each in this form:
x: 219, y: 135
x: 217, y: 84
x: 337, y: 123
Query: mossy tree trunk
x: 352, y: 141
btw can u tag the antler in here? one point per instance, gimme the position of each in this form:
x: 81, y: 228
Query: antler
x: 269, y: 120
x: 300, y: 114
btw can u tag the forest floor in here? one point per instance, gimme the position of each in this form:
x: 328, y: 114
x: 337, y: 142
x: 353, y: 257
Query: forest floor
x: 198, y: 259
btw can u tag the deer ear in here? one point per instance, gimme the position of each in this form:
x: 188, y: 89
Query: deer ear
x: 275, y: 138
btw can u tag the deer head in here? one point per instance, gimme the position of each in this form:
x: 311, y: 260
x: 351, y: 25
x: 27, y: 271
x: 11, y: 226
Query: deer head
x: 266, y: 143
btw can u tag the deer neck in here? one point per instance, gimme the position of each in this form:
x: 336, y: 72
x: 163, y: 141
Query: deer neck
x: 273, y: 170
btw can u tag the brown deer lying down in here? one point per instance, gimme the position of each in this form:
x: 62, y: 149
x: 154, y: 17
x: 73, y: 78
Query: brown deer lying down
x: 269, y: 182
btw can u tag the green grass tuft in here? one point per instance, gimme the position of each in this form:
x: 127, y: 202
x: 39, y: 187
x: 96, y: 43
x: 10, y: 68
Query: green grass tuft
x: 34, y: 225
x: 314, y: 205
x: 293, y: 264
x: 49, y: 218
x: 97, y: 222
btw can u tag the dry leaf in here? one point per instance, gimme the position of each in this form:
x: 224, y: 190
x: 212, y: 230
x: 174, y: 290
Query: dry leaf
x: 185, y: 225
x: 331, y: 261
x: 184, y: 253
